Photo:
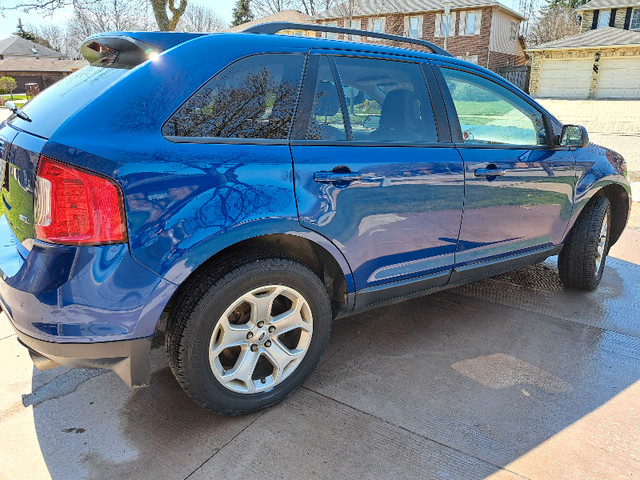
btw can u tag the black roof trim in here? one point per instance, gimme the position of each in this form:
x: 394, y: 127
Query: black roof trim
x: 275, y: 27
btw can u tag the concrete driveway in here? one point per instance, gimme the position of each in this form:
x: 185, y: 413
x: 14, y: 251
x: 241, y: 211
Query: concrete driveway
x: 506, y: 378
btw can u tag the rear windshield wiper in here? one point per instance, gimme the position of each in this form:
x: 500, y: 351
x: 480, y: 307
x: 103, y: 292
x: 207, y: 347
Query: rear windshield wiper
x: 12, y: 106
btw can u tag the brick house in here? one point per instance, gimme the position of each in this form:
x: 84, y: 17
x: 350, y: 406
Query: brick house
x: 602, y: 61
x: 484, y: 32
x: 43, y: 71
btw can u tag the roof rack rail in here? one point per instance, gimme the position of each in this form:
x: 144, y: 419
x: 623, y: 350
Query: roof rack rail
x: 275, y: 27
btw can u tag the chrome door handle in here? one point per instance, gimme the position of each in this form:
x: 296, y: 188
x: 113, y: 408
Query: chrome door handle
x: 489, y: 172
x: 331, y: 177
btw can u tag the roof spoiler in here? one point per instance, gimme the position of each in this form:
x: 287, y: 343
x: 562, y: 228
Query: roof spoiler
x: 128, y: 49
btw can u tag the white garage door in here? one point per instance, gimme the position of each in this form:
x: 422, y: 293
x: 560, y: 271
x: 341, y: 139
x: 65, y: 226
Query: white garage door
x: 565, y: 78
x: 619, y: 78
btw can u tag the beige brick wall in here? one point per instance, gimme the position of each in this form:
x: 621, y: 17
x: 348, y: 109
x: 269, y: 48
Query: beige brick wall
x: 538, y: 58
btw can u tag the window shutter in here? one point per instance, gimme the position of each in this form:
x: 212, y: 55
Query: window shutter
x: 478, y: 22
x: 452, y: 26
x: 407, y: 26
x: 370, y: 24
x: 438, y: 32
x: 612, y: 18
x: 420, y: 23
x: 594, y: 24
x: 462, y: 27
x: 383, y: 24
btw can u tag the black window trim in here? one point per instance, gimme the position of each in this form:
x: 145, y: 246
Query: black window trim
x: 443, y: 131
x: 238, y: 141
x: 456, y: 130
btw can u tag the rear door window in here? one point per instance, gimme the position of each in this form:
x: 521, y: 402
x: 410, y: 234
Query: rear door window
x: 384, y: 101
x: 254, y: 97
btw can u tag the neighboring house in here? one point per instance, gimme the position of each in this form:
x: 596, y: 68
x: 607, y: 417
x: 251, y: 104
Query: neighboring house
x: 603, y: 61
x: 484, y: 32
x: 43, y: 71
x: 18, y: 47
x: 291, y: 16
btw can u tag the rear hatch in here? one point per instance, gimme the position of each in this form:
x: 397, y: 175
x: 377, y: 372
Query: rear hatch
x: 112, y: 56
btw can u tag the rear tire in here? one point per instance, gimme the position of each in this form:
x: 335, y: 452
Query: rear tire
x: 247, y: 334
x: 582, y: 259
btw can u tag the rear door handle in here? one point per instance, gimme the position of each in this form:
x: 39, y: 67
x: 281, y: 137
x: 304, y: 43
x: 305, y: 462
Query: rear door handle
x: 489, y: 172
x: 331, y: 177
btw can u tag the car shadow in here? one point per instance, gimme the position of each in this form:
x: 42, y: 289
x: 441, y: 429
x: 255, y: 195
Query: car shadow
x: 488, y: 371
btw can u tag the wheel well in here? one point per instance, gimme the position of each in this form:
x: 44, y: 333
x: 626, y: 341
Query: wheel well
x: 310, y: 254
x: 619, y: 199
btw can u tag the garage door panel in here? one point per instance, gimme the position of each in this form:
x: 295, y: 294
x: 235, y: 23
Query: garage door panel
x: 565, y: 78
x: 619, y: 78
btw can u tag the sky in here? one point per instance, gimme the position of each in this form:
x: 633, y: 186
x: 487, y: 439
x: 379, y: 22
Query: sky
x: 9, y: 18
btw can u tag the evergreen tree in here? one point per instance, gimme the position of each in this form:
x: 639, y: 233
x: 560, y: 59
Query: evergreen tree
x: 21, y: 32
x: 241, y: 13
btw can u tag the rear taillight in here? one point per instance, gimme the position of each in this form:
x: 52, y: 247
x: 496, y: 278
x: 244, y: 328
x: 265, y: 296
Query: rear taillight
x: 76, y: 207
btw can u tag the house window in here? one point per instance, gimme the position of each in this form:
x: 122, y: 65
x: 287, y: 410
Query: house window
x: 355, y: 24
x: 446, y: 25
x: 603, y: 18
x: 331, y: 35
x: 471, y: 23
x: 413, y: 27
x: 635, y: 20
x: 377, y: 25
x: 513, y: 34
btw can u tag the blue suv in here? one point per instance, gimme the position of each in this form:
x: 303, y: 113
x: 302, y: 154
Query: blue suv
x: 237, y: 192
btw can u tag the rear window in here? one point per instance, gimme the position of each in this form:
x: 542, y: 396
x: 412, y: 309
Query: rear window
x: 53, y: 106
x: 252, y: 98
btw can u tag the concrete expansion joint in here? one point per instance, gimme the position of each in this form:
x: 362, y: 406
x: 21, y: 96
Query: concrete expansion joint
x: 424, y: 437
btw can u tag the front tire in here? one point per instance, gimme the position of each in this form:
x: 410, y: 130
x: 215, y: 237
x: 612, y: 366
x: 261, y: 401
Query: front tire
x: 582, y: 259
x: 244, y: 340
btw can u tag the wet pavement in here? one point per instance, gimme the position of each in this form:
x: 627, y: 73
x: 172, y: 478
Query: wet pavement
x: 508, y: 378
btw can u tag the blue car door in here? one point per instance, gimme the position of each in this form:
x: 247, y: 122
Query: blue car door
x: 519, y: 186
x: 376, y: 172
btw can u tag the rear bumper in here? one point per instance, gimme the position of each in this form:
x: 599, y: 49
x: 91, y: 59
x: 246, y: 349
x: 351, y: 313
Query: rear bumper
x: 128, y: 358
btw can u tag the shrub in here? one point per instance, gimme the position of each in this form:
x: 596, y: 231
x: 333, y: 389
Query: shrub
x: 8, y: 85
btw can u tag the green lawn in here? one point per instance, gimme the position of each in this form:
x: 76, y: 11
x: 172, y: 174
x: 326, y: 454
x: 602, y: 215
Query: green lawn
x: 16, y: 96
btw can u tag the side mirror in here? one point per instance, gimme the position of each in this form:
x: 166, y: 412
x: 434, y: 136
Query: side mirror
x: 574, y: 136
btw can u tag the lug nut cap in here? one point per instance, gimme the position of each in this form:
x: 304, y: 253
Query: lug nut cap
x: 260, y: 324
x: 250, y: 334
x: 254, y: 348
x: 272, y: 329
x: 267, y: 343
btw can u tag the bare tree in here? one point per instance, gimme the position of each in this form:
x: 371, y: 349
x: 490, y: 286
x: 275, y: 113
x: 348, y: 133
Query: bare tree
x: 167, y: 13
x: 262, y: 8
x: 553, y: 23
x: 314, y: 7
x: 200, y: 19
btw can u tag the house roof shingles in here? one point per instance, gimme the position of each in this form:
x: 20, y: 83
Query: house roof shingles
x: 380, y: 7
x: 17, y: 46
x: 601, y: 37
x: 36, y: 65
x: 605, y: 4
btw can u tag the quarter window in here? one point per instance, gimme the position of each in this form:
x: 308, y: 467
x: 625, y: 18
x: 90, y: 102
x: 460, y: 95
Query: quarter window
x: 252, y: 98
x: 603, y: 18
x: 635, y: 20
x: 491, y: 114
